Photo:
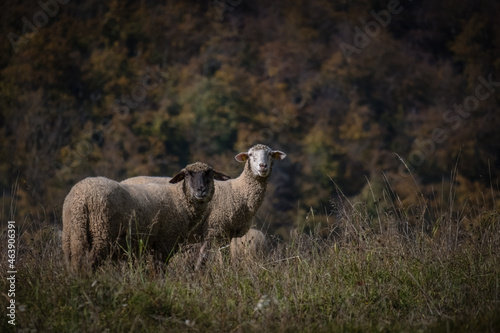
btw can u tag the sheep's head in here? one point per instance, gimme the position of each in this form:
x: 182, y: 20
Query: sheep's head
x: 260, y: 159
x: 198, y: 180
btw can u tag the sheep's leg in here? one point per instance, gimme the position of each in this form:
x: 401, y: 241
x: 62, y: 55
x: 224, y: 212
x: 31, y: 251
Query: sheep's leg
x: 203, y: 255
x: 66, y: 241
x: 76, y: 239
x: 99, y: 247
x: 98, y: 236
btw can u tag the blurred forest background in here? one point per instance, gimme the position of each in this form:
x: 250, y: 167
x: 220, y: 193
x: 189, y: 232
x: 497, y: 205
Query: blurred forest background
x: 126, y: 88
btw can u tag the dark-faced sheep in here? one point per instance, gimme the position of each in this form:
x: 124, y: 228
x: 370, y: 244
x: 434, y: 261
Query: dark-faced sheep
x: 146, y: 179
x: 99, y: 213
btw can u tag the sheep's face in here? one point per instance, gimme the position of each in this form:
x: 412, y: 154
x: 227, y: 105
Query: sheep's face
x: 200, y: 184
x: 199, y: 181
x: 260, y: 159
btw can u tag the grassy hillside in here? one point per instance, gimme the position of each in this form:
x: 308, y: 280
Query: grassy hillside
x: 400, y: 269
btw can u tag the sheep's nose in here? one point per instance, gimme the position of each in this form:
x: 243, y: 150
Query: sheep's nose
x: 263, y: 165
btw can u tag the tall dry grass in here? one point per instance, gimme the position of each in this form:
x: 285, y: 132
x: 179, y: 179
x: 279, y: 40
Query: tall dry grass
x: 374, y: 265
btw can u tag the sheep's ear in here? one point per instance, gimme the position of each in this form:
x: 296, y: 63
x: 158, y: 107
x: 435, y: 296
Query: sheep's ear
x: 278, y: 155
x: 220, y: 176
x: 241, y: 157
x: 178, y: 177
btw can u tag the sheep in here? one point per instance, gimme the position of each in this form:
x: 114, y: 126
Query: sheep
x: 146, y: 179
x: 236, y: 201
x: 98, y: 212
x: 251, y: 245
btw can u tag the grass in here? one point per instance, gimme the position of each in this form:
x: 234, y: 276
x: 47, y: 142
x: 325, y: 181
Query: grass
x: 379, y: 267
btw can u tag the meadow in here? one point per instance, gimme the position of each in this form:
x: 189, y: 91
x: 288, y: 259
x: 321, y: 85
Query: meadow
x: 371, y: 266
x: 349, y: 90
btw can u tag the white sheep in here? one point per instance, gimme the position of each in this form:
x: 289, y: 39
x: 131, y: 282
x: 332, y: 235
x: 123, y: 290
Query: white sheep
x: 99, y: 212
x: 251, y: 245
x: 236, y: 201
